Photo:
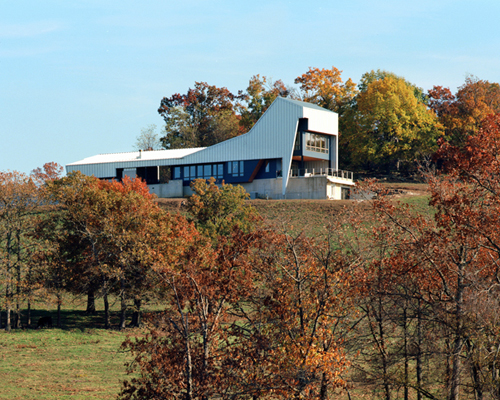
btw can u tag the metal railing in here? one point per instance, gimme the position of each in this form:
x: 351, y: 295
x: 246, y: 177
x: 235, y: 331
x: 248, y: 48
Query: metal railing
x: 307, y: 173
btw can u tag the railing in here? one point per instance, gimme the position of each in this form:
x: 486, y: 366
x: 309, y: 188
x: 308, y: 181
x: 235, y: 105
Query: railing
x: 306, y: 173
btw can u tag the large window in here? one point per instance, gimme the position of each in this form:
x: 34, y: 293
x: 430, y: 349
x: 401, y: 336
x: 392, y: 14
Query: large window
x: 317, y: 143
x: 236, y: 168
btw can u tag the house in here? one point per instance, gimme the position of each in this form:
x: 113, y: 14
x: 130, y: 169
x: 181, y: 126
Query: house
x: 290, y: 153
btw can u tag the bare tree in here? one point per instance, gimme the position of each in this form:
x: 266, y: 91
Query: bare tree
x: 148, y: 139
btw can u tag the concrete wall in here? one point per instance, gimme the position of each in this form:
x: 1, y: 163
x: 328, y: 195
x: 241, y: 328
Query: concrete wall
x: 168, y: 190
x: 315, y: 187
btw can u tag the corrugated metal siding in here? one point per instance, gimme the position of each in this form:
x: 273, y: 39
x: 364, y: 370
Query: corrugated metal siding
x: 273, y: 136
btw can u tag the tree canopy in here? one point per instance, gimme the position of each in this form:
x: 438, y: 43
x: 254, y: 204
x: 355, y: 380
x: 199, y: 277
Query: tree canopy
x: 204, y: 116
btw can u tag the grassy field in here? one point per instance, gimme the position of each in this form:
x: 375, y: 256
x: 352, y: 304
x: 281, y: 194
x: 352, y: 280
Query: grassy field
x: 61, y: 364
x: 83, y: 361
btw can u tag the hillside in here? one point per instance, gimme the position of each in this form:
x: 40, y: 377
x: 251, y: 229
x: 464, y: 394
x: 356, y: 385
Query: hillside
x: 310, y: 215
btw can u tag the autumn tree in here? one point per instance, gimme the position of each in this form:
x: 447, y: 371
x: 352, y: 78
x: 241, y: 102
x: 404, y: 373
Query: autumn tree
x: 462, y: 114
x: 290, y: 339
x: 216, y: 211
x: 259, y: 95
x: 440, y: 276
x: 185, y: 352
x: 202, y: 117
x: 325, y: 88
x: 390, y: 126
x: 19, y: 200
x: 110, y: 228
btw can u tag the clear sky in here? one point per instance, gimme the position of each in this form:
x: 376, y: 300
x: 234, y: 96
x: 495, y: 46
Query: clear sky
x: 82, y: 77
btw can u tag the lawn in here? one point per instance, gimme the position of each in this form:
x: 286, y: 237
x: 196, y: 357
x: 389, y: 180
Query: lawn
x: 61, y: 364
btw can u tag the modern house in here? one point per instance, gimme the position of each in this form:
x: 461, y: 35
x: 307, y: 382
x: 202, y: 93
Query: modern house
x: 290, y: 153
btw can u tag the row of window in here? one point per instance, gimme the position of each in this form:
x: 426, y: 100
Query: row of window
x: 190, y: 172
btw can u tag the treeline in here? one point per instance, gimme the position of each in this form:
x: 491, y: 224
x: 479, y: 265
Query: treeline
x: 391, y: 304
x: 387, y: 124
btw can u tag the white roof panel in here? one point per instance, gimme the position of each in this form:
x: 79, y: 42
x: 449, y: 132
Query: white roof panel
x: 138, y: 156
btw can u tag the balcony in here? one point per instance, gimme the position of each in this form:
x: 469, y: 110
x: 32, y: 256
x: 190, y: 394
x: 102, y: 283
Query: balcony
x: 328, y: 172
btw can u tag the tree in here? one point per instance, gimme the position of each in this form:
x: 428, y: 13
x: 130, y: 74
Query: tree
x: 372, y: 76
x: 185, y: 353
x: 462, y: 114
x: 19, y: 201
x: 202, y: 117
x: 325, y: 88
x: 112, y: 234
x: 389, y: 126
x: 260, y: 94
x: 148, y: 139
x: 443, y: 273
x: 292, y: 328
x: 216, y: 211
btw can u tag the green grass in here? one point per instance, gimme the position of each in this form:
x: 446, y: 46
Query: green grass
x: 61, y: 364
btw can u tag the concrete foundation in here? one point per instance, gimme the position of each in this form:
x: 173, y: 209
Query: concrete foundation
x: 314, y: 187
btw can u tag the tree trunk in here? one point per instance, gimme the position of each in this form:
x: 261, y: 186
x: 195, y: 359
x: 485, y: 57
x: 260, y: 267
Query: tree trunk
x: 189, y: 366
x: 123, y: 305
x: 59, y: 302
x: 107, y: 322
x: 458, y: 339
x: 419, y: 350
x: 323, y: 392
x: 8, y: 307
x: 8, y: 325
x: 136, y: 316
x: 406, y: 355
x: 91, y: 302
x: 28, y: 316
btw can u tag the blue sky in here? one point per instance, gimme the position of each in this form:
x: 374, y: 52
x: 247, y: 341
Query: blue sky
x: 79, y: 78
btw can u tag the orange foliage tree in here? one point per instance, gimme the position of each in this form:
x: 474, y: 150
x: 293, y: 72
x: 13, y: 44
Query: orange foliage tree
x: 325, y: 88
x: 442, y: 275
x: 462, y: 114
x: 113, y: 234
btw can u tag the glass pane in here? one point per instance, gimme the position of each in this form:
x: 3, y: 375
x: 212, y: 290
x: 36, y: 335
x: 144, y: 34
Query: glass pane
x: 208, y: 171
x: 200, y: 171
x: 177, y: 172
x: 220, y: 171
x: 186, y: 173
x: 235, y: 168
x: 192, y: 172
x: 242, y: 168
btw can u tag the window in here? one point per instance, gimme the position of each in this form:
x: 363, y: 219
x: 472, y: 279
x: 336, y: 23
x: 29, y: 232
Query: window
x: 192, y: 171
x: 186, y: 173
x: 200, y: 171
x: 207, y: 171
x: 220, y: 171
x: 317, y: 143
x: 267, y: 166
x: 177, y: 173
x: 236, y: 168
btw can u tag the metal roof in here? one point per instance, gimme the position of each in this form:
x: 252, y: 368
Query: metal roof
x: 150, y: 155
